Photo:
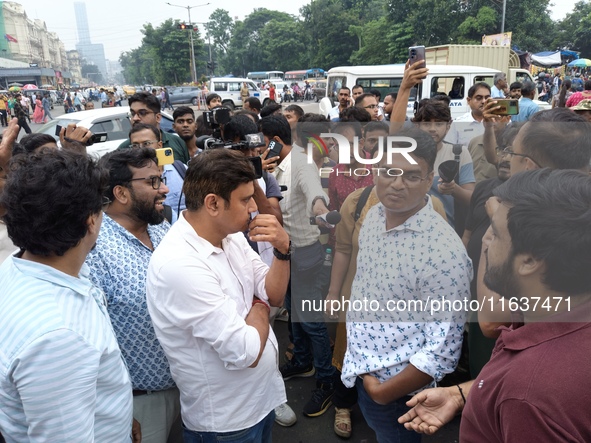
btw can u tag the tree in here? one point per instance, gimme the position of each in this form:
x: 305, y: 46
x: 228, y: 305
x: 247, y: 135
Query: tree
x: 574, y: 31
x: 220, y: 27
x: 91, y: 72
x: 473, y: 28
x: 164, y: 56
x: 246, y: 51
x: 326, y: 27
x: 284, y: 48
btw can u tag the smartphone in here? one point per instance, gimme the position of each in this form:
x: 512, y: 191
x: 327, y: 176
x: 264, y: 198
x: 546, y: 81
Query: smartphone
x: 165, y: 156
x: 416, y: 53
x: 275, y: 148
x: 58, y: 129
x: 507, y: 107
x: 257, y: 162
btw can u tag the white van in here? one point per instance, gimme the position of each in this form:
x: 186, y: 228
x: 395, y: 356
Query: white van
x: 387, y: 78
x: 229, y: 89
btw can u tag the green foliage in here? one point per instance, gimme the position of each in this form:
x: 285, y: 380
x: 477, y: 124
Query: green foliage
x: 373, y: 48
x: 92, y: 73
x: 574, y: 31
x: 164, y: 57
x: 326, y: 25
x: 330, y: 33
x: 474, y: 27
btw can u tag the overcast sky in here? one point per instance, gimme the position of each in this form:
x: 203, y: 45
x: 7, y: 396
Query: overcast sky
x: 117, y: 23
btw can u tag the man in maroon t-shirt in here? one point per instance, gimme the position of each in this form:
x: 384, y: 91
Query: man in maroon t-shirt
x: 536, y: 385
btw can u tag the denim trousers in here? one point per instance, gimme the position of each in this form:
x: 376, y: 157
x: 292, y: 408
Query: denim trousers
x: 310, y: 335
x: 259, y: 433
x: 383, y: 419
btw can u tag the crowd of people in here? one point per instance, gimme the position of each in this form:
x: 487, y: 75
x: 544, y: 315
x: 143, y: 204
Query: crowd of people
x: 140, y: 291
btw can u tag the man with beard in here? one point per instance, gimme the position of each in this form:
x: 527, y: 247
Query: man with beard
x: 133, y: 227
x: 477, y: 223
x: 536, y: 386
x: 184, y: 125
x: 344, y: 102
x: 148, y: 136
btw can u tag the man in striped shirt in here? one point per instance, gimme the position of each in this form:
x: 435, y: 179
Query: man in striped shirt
x: 62, y: 377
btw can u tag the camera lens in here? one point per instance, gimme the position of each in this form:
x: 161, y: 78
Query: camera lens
x: 168, y: 152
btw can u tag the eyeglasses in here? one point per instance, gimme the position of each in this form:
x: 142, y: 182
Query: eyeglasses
x: 106, y: 202
x: 410, y: 179
x: 156, y: 181
x: 370, y: 107
x: 145, y: 144
x: 508, y: 151
x: 142, y: 113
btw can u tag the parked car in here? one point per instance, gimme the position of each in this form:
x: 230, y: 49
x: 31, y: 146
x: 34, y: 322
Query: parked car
x: 229, y: 89
x: 185, y: 94
x: 112, y: 121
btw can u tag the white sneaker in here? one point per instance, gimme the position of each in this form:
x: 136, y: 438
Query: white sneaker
x: 284, y: 415
x: 282, y: 315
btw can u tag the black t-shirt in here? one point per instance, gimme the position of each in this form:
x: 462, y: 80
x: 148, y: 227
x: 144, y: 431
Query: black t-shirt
x: 478, y: 220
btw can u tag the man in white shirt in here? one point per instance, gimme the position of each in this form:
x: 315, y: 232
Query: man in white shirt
x: 209, y: 293
x: 467, y: 126
x: 344, y: 102
x: 408, y: 255
x: 304, y: 199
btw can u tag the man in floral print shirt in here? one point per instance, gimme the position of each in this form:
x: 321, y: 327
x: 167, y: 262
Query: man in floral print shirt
x: 407, y: 252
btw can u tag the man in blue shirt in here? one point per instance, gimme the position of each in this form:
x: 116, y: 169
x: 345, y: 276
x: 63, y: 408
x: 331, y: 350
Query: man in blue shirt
x: 499, y: 85
x: 62, y: 377
x: 133, y: 226
x: 527, y: 107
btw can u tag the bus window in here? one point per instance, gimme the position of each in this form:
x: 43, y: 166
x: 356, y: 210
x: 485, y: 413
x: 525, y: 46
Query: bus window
x: 385, y: 85
x: 452, y: 86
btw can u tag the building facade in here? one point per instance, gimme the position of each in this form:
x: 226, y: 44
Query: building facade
x: 29, y: 42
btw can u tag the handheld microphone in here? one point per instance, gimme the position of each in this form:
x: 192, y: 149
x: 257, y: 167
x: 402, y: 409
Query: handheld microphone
x: 330, y: 218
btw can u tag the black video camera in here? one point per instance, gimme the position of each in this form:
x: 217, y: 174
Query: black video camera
x: 216, y: 117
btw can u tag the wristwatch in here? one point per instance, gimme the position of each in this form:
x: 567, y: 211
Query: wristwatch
x: 281, y: 256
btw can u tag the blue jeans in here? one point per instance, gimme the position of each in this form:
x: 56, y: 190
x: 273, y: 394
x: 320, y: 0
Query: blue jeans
x: 310, y: 336
x: 383, y: 419
x: 259, y: 433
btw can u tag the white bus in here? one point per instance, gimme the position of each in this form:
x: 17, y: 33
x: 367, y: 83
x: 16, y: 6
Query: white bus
x: 260, y: 76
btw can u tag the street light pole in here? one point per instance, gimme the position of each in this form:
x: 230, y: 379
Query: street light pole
x: 193, y: 65
x: 503, y: 19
